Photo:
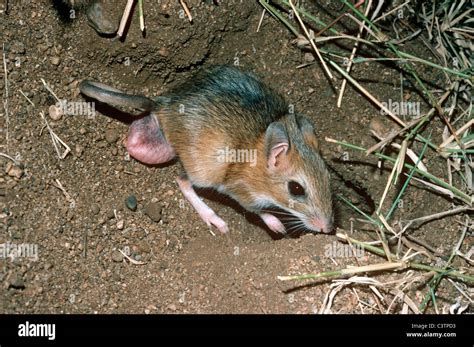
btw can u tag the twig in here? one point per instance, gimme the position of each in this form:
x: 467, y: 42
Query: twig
x: 437, y: 216
x: 48, y: 88
x: 413, y: 156
x: 125, y: 17
x: 55, y: 138
x: 463, y: 293
x: 130, y: 259
x: 347, y: 271
x: 8, y: 157
x: 391, y: 11
x: 405, y: 298
x: 85, y: 244
x: 366, y: 93
x: 353, y: 53
x: 27, y: 98
x: 460, y: 241
x: 311, y: 40
x: 425, y: 245
x: 261, y: 20
x: 5, y: 100
x: 413, y: 265
x: 416, y: 122
x: 379, y: 36
x: 330, y: 25
x: 142, y: 17
x: 418, y: 248
x: 377, y: 10
x: 457, y: 192
x: 186, y: 9
x: 457, y: 133
x: 66, y: 194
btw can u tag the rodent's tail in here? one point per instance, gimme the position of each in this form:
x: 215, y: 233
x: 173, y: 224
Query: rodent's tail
x: 109, y: 95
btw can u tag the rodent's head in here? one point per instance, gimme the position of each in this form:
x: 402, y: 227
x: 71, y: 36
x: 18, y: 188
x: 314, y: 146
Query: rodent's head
x: 297, y: 176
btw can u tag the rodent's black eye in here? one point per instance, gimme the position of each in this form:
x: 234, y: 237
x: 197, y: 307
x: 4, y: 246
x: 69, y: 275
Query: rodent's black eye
x: 296, y: 189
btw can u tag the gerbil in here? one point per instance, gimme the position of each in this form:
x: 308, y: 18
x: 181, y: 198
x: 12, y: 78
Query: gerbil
x: 224, y: 111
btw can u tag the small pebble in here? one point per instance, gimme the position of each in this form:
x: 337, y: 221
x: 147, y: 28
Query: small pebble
x: 79, y: 149
x: 131, y: 202
x: 55, y: 60
x: 95, y: 209
x: 111, y: 214
x: 117, y: 256
x: 153, y: 210
x: 16, y: 282
x: 18, y: 48
x: 14, y: 171
x: 55, y: 113
x: 406, y: 83
x: 143, y: 246
x: 42, y: 48
x: 120, y: 224
x: 163, y: 52
x: 111, y: 136
x: 308, y: 57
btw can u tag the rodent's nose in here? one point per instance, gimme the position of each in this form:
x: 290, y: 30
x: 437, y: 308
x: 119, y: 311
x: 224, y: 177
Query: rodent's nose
x: 321, y: 224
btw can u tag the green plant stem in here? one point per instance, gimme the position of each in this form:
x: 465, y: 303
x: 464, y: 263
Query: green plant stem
x: 461, y: 195
x: 365, y: 215
x: 275, y: 13
x: 405, y: 184
x: 403, y: 56
x: 309, y: 16
x: 397, y: 52
x: 413, y: 265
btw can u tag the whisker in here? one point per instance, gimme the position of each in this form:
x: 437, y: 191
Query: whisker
x: 292, y: 223
x: 295, y: 228
x: 283, y: 213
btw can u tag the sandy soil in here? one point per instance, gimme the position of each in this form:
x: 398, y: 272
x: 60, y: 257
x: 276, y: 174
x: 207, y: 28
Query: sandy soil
x: 186, y: 269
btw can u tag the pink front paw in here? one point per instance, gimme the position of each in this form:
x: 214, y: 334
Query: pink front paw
x: 273, y: 223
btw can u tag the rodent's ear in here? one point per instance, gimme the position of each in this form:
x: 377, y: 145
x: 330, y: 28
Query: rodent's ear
x: 307, y: 129
x: 276, y: 146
